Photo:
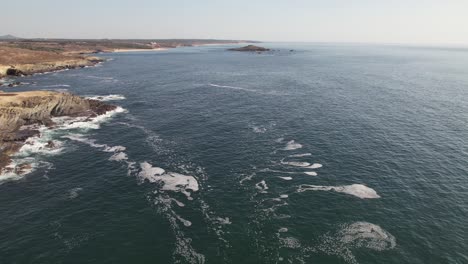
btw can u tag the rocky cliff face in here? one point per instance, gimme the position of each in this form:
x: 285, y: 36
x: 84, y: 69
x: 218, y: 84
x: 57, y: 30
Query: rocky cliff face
x: 38, y: 107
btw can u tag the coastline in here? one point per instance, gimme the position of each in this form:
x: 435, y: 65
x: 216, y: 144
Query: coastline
x: 26, y: 57
x: 22, y: 114
x: 26, y: 115
x: 18, y: 70
x: 138, y: 50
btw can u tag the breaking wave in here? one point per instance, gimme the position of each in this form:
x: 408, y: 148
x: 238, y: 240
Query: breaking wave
x: 30, y: 155
x: 104, y: 98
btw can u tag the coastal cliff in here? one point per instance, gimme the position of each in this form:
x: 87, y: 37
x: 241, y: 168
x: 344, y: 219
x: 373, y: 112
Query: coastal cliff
x: 19, y: 112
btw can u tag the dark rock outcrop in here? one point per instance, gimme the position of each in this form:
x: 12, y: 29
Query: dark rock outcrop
x: 14, y: 72
x: 14, y: 84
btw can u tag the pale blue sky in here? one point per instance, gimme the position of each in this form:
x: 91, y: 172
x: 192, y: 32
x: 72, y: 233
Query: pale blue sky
x: 381, y: 21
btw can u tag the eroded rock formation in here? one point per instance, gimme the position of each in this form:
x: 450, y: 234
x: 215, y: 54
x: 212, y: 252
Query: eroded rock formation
x: 38, y: 107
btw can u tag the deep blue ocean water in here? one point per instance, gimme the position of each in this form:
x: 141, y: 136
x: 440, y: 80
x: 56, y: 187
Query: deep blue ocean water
x: 388, y: 124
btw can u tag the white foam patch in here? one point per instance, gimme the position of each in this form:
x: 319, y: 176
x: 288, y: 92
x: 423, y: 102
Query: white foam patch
x: 85, y: 123
x: 92, y: 143
x: 314, y: 166
x: 232, y: 87
x: 367, y: 235
x: 358, y: 190
x: 183, y: 244
x: 300, y: 155
x: 57, y: 71
x: 28, y: 157
x: 247, y: 178
x: 110, y: 97
x: 283, y: 230
x: 17, y: 169
x: 120, y: 156
x: 354, y: 236
x: 150, y: 170
x: 171, y: 181
x: 73, y: 193
x: 296, y: 163
x: 284, y: 196
x: 118, y: 151
x: 285, y: 178
x: 40, y: 145
x: 186, y: 222
x: 290, y: 242
x: 292, y: 145
x: 262, y: 186
x: 259, y: 129
x: 311, y: 173
x: 223, y: 221
x: 180, y: 204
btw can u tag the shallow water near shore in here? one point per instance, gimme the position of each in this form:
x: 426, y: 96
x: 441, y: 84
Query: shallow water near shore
x: 327, y: 154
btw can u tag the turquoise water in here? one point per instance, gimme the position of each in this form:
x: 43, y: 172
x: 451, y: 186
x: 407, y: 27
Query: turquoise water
x: 382, y: 128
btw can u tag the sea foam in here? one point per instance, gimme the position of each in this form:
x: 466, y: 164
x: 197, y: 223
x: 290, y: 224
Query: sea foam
x: 262, y: 186
x: 84, y: 123
x: 356, y: 235
x: 292, y: 145
x: 27, y: 159
x: 17, y: 169
x: 367, y: 235
x: 73, y: 193
x: 300, y: 155
x: 110, y: 97
x: 232, y: 87
x: 358, y: 190
x: 314, y: 166
x: 296, y: 163
x: 171, y: 181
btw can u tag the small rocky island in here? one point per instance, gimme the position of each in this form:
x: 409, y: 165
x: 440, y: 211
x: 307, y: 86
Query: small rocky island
x: 251, y: 48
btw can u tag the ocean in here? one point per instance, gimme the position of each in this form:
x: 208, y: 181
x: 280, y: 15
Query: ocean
x: 324, y: 154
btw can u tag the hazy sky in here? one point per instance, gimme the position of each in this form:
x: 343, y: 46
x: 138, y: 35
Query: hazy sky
x: 386, y: 21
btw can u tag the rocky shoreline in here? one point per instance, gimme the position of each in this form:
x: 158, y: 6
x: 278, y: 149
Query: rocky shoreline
x: 22, y: 113
x: 42, y: 67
